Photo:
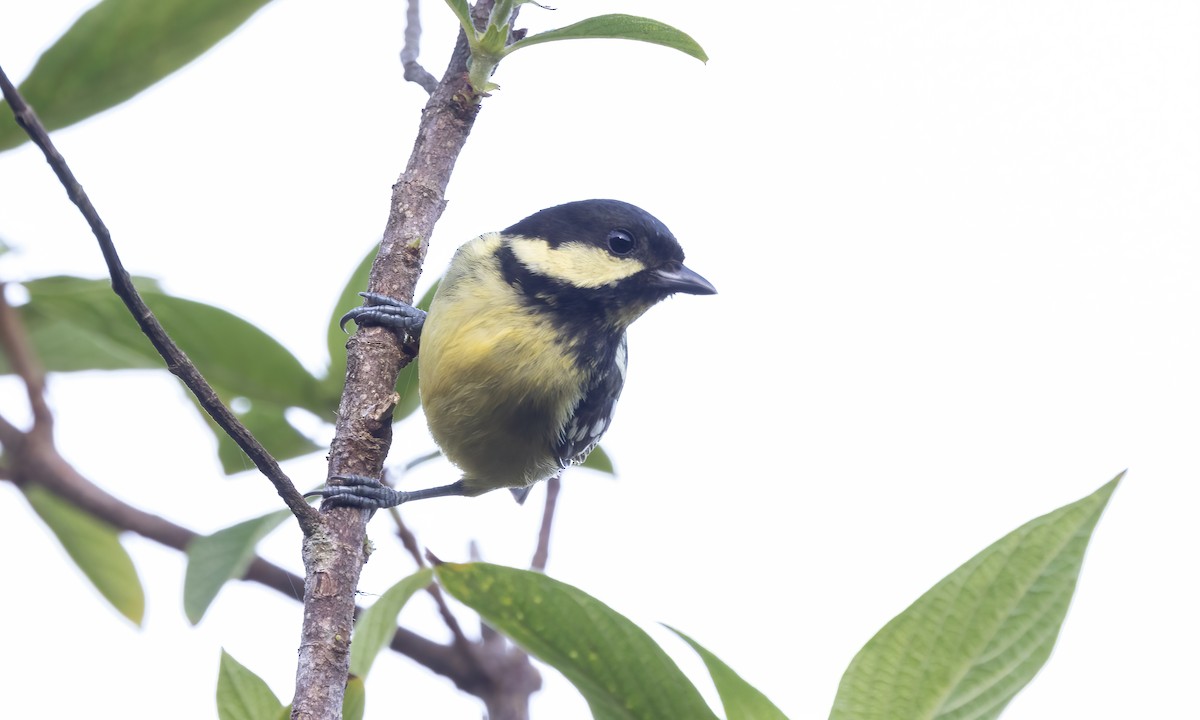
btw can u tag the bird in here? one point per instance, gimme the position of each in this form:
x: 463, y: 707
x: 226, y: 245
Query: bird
x: 523, y: 352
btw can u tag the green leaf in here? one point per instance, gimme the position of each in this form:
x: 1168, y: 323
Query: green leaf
x: 335, y: 337
x: 242, y: 695
x: 968, y: 645
x: 116, y: 50
x: 501, y: 14
x: 407, y: 385
x: 377, y: 624
x: 354, y: 702
x: 236, y: 355
x: 94, y: 547
x: 80, y: 324
x: 490, y: 46
x: 599, y: 460
x: 408, y: 388
x: 463, y: 12
x: 419, y: 460
x: 215, y: 559
x: 622, y: 27
x: 268, y: 423
x: 615, y: 665
x: 742, y: 700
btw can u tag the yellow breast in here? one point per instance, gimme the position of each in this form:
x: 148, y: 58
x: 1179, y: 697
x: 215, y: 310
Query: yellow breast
x: 496, y: 393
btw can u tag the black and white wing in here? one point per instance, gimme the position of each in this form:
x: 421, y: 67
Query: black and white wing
x: 594, y: 413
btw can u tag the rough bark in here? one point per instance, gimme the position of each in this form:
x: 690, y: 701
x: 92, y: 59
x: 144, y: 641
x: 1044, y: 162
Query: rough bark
x: 334, y: 554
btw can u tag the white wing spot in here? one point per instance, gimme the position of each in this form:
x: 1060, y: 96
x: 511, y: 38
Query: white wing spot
x: 622, y: 358
x: 599, y: 427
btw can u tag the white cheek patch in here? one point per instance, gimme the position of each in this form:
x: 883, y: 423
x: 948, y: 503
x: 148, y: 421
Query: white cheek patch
x: 585, y: 266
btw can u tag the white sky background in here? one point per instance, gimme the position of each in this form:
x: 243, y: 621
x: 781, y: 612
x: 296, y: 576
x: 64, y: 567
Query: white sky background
x: 956, y: 248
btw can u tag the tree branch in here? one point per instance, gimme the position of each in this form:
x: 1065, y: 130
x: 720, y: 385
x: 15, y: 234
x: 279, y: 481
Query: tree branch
x: 45, y: 467
x: 542, y: 553
x: 413, y: 71
x: 409, y: 541
x: 177, y: 362
x: 333, y: 558
x: 10, y: 435
x: 16, y: 345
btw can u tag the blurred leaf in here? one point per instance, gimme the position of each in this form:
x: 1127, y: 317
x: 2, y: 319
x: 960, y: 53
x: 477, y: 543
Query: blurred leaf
x: 418, y: 460
x: 215, y: 559
x: 599, y: 460
x: 615, y: 665
x: 269, y: 424
x: 335, y: 337
x: 236, y: 355
x: 242, y: 695
x: 354, y: 702
x: 619, y: 27
x: 463, y: 13
x: 79, y: 324
x: 377, y: 624
x: 94, y: 547
x: 968, y: 645
x: 742, y: 700
x: 408, y: 388
x: 406, y: 383
x: 117, y: 49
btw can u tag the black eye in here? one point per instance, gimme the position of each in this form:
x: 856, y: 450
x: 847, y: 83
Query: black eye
x: 620, y: 242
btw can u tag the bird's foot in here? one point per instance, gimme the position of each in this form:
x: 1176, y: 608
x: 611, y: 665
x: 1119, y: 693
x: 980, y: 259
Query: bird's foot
x: 360, y: 491
x: 386, y: 312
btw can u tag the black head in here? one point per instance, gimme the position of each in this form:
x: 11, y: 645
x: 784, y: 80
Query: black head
x: 608, y: 246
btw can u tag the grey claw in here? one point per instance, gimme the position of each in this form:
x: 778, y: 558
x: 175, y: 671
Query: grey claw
x: 361, y: 492
x: 386, y: 312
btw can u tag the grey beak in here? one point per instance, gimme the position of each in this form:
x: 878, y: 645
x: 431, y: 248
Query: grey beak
x: 678, y: 278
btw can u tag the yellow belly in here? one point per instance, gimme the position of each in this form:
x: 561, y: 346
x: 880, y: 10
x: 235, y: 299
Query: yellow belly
x: 495, y: 391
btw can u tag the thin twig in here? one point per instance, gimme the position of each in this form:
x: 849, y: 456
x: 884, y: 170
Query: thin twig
x: 10, y: 435
x: 461, y: 642
x: 542, y: 553
x: 15, y: 343
x: 177, y: 362
x: 413, y: 71
x: 409, y: 541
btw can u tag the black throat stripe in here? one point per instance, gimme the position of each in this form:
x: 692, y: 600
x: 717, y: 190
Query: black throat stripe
x: 582, y: 317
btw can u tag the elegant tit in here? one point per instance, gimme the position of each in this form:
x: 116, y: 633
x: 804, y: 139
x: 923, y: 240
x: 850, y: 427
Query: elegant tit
x: 523, y: 351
